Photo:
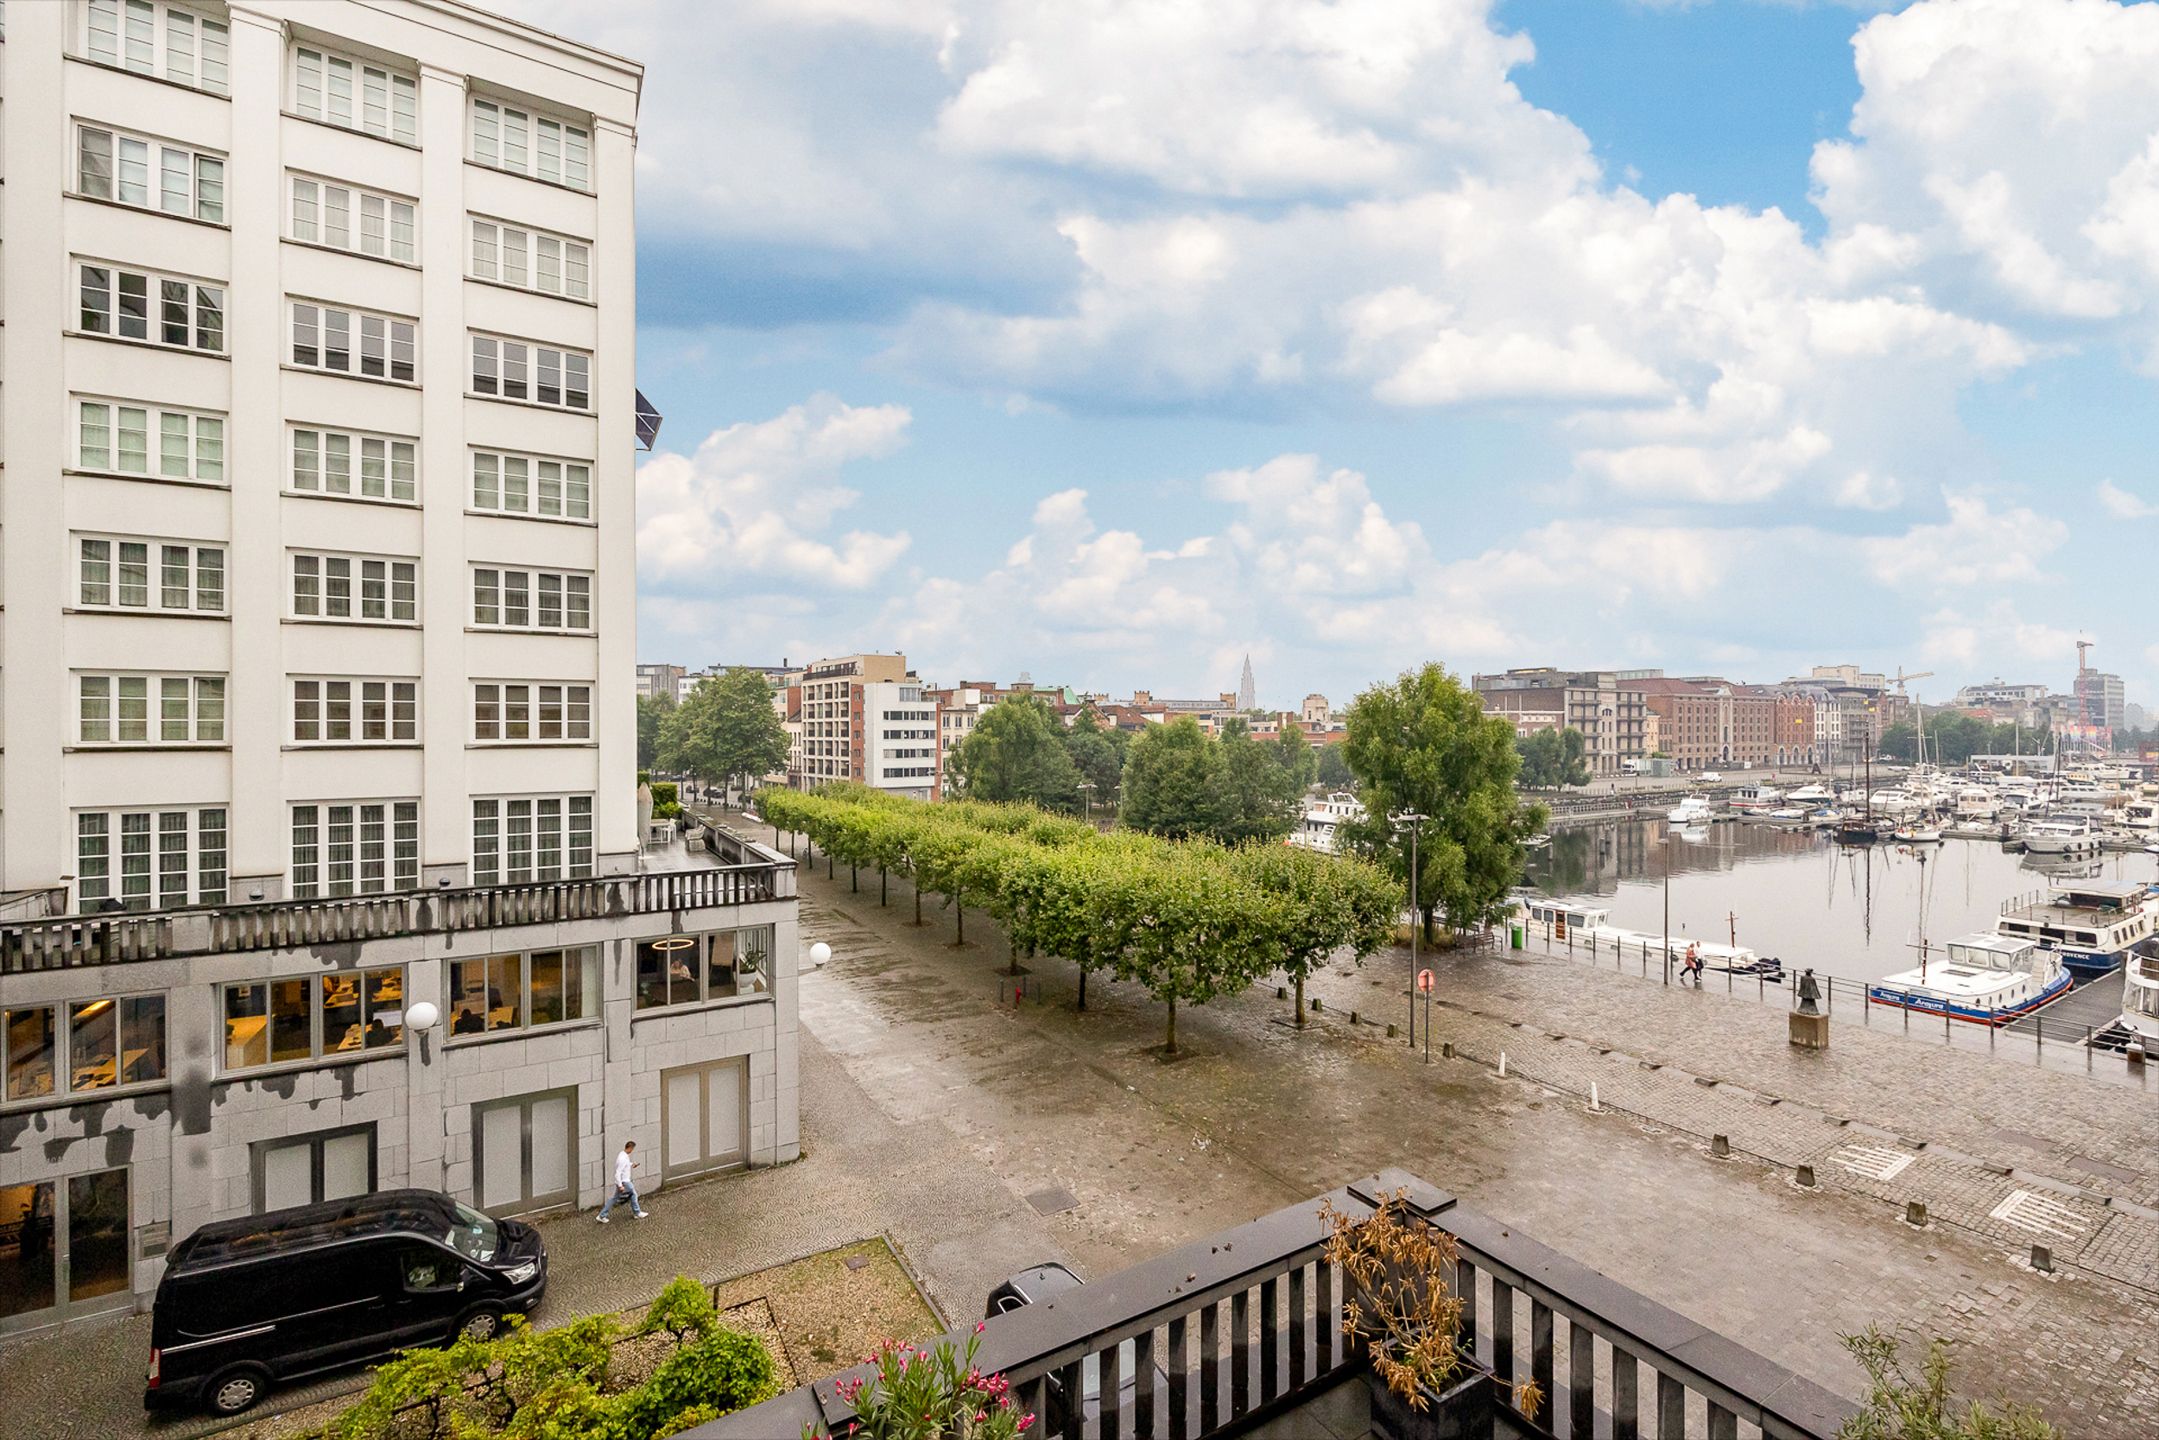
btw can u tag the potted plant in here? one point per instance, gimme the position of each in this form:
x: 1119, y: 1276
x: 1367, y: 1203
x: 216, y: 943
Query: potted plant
x: 934, y: 1394
x: 1400, y: 1306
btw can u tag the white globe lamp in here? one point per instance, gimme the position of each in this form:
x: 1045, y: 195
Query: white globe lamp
x: 819, y: 954
x: 423, y: 1016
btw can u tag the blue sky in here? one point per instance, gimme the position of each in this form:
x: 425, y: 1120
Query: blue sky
x: 1108, y: 342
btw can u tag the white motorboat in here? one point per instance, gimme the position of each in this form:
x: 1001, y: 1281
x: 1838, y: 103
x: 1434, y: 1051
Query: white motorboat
x: 2060, y: 836
x: 1693, y: 810
x: 1756, y: 797
x: 1976, y: 802
x: 1986, y: 979
x: 1634, y: 945
x: 1563, y: 917
x: 1811, y: 795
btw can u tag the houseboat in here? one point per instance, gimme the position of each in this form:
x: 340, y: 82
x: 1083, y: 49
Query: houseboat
x: 1756, y: 797
x: 1563, y: 917
x: 2091, y: 924
x: 1986, y: 979
x: 2140, y: 994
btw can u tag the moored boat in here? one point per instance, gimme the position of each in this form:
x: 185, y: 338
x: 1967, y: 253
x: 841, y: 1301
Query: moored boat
x: 1986, y: 980
x: 2092, y: 924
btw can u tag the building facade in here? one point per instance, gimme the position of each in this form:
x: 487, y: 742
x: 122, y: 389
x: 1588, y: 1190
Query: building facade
x: 659, y: 680
x: 867, y: 718
x: 1607, y: 706
x: 1705, y: 722
x: 318, y: 829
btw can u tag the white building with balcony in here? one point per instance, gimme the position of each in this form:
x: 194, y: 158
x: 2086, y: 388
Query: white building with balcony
x: 319, y: 601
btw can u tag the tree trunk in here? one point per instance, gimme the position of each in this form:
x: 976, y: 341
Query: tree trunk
x: 854, y: 879
x: 883, y: 887
x: 1300, y: 1000
x: 1170, y: 1046
x: 1015, y: 968
x: 959, y: 918
x: 1431, y: 936
x: 918, y: 902
x: 829, y: 862
x: 1083, y: 988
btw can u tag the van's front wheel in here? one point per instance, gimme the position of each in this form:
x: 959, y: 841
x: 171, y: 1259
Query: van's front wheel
x: 235, y: 1390
x: 481, y: 1325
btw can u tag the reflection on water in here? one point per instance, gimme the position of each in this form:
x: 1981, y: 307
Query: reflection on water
x: 1796, y: 894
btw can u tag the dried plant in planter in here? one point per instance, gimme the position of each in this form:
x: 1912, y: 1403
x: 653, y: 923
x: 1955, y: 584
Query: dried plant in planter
x: 1401, y: 1302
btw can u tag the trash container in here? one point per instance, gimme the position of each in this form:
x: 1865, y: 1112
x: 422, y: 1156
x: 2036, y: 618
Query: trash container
x: 1517, y: 935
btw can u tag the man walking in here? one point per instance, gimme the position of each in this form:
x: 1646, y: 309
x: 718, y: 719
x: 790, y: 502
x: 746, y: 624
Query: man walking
x: 625, y: 1187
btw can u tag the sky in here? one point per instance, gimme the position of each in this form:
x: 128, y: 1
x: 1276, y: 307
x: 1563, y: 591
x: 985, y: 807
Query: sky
x: 1111, y: 342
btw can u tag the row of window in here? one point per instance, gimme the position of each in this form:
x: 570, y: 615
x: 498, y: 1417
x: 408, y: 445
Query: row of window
x: 190, y: 709
x: 149, y: 37
x: 116, y: 438
x: 81, y: 1047
x: 174, y: 856
x: 166, y: 578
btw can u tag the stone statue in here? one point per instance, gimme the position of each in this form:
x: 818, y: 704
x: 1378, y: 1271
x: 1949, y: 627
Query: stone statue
x: 1810, y: 992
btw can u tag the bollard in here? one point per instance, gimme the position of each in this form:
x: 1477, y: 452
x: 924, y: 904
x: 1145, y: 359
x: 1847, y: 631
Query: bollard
x: 1392, y: 1029
x: 1915, y: 1213
x: 1720, y: 1145
x: 2134, y: 1054
x: 1595, y: 1106
x: 1446, y: 1050
x: 1281, y: 992
x: 1318, y: 1004
x: 1352, y: 1017
x: 1805, y: 1177
x: 2042, y: 1259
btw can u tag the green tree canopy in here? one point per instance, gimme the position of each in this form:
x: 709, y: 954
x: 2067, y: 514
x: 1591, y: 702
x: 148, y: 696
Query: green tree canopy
x: 1173, y: 781
x: 652, y: 712
x: 1016, y: 753
x: 726, y: 732
x: 1551, y: 758
x: 1294, y: 753
x: 1424, y: 744
x: 1258, y: 797
x: 1098, y: 754
x: 1334, y: 771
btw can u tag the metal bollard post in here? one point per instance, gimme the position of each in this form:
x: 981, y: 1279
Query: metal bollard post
x: 2042, y: 1259
x: 1915, y: 1213
x: 1720, y: 1145
x: 1805, y: 1177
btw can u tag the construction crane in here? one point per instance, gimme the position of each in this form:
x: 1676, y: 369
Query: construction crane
x: 2082, y: 646
x: 1901, y: 677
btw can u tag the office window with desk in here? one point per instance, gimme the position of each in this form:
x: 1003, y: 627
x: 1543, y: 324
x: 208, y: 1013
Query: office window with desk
x: 82, y: 1046
x: 313, y: 1017
x: 494, y: 993
x: 698, y: 969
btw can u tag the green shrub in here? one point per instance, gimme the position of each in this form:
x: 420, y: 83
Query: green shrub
x: 664, y: 792
x: 1901, y: 1406
x: 721, y: 1371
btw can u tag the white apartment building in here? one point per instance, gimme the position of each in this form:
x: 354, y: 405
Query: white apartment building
x: 319, y: 865
x: 866, y: 718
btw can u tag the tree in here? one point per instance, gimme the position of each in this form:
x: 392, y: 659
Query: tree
x: 1552, y: 758
x: 651, y: 714
x: 1258, y: 794
x: 1424, y: 744
x: 727, y: 730
x: 1334, y: 772
x: 1335, y: 902
x: 1173, y: 781
x: 1016, y: 753
x: 1294, y: 754
x: 1097, y: 754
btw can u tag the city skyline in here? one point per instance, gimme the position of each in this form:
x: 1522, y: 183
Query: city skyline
x: 1631, y: 347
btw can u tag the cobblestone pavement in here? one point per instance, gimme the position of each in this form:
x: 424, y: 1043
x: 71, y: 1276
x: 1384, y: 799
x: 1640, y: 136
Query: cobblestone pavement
x: 1258, y: 1115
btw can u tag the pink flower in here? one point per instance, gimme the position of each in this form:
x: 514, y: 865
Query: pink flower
x: 981, y: 1325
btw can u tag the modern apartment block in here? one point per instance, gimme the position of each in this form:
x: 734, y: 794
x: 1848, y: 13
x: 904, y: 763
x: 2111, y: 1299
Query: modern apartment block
x: 867, y: 718
x: 318, y: 833
x: 1607, y: 706
x: 659, y: 680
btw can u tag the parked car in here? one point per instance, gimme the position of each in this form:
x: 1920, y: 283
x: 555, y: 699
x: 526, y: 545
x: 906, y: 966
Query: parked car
x: 1040, y: 1282
x: 1711, y: 777
x: 264, y: 1299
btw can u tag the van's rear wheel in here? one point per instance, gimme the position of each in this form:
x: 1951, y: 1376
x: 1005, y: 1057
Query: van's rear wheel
x: 481, y: 1325
x: 232, y: 1391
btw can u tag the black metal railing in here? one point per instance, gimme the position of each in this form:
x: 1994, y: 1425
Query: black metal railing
x: 1223, y: 1333
x: 755, y: 875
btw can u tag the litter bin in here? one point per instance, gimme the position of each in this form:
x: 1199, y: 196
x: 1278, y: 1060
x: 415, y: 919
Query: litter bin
x: 1517, y: 935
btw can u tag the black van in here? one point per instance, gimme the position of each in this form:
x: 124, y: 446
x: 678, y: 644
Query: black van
x: 274, y: 1297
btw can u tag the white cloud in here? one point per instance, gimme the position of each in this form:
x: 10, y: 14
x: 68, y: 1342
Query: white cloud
x: 2123, y: 504
x: 756, y: 499
x: 1976, y: 545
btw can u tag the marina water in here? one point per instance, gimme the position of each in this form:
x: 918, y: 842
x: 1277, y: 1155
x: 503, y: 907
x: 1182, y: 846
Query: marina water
x: 1797, y: 895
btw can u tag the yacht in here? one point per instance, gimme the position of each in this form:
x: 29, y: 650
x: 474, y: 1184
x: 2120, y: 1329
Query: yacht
x: 1976, y: 802
x: 1986, y: 979
x: 1693, y: 810
x: 1807, y: 795
x: 2060, y: 835
x: 2140, y: 994
x: 2141, y: 815
x: 1917, y: 833
x: 1756, y: 797
x: 2092, y: 924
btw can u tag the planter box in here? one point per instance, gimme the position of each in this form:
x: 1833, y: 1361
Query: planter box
x: 1465, y: 1410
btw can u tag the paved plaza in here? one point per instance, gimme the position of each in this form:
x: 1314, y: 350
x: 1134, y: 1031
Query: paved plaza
x: 982, y: 1136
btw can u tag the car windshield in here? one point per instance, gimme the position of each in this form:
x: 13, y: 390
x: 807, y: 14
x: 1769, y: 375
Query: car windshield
x: 473, y: 1235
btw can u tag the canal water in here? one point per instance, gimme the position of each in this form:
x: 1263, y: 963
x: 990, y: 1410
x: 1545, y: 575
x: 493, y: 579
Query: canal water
x: 1796, y: 894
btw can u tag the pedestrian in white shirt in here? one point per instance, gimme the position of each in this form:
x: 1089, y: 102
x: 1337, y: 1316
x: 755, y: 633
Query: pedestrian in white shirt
x: 625, y: 1188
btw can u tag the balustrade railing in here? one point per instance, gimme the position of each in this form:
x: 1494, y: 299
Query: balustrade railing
x: 758, y: 875
x: 1223, y: 1333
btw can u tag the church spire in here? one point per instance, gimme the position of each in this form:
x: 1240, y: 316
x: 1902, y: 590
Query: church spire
x: 1247, y: 691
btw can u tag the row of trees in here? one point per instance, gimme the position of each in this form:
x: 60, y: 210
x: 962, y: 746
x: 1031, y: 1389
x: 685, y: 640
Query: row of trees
x: 1552, y: 758
x: 1188, y: 920
x: 1953, y: 739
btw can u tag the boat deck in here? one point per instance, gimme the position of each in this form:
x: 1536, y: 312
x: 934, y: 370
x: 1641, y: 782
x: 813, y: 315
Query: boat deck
x: 2096, y: 1002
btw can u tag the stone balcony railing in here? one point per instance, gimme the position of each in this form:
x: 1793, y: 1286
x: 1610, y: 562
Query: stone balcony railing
x: 747, y: 874
x: 1244, y: 1326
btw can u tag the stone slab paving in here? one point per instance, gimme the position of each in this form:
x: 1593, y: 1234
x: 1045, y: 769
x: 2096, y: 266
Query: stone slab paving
x: 1258, y: 1114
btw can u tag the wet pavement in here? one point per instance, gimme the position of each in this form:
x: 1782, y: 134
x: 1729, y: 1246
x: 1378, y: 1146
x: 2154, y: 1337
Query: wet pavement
x: 983, y: 1136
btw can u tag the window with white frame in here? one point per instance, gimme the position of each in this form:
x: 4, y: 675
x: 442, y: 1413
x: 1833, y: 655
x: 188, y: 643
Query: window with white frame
x: 356, y: 94
x: 362, y: 588
x: 531, y: 485
x: 355, y: 711
x: 352, y: 342
x: 118, y: 438
x: 516, y: 991
x: 541, y: 146
x: 542, y: 374
x: 161, y: 309
x: 355, y: 847
x: 153, y: 174
x: 531, y: 599
x: 152, y: 38
x: 363, y: 467
x: 531, y: 259
x: 312, y: 1017
x: 521, y: 711
x: 149, y: 859
x: 535, y: 837
x: 155, y: 576
x: 343, y: 218
x: 150, y: 709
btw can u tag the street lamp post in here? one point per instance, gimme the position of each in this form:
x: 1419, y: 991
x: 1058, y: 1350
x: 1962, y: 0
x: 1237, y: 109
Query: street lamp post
x: 1086, y: 799
x: 1408, y: 822
x: 1667, y: 847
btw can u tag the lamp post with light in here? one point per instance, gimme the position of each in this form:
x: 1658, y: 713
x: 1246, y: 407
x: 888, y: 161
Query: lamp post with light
x: 1408, y: 823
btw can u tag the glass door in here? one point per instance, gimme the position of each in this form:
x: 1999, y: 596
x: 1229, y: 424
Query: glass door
x: 64, y: 1248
